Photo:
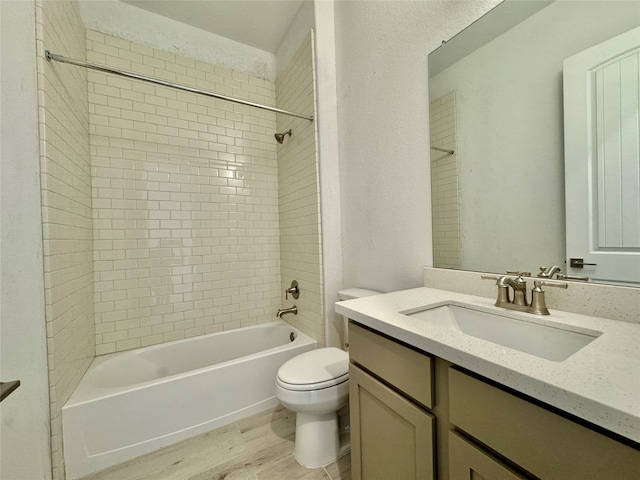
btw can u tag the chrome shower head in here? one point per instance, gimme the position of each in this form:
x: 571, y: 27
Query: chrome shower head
x: 280, y: 136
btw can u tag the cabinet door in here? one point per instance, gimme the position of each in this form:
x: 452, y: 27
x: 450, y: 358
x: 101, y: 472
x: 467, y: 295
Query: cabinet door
x: 467, y: 462
x: 537, y: 440
x: 390, y: 436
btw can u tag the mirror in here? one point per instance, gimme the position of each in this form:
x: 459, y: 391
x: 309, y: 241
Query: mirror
x: 496, y: 102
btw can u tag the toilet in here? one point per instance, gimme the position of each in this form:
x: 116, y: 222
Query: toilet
x: 315, y: 385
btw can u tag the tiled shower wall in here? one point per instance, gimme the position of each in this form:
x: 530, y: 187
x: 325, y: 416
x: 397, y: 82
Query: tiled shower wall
x: 299, y: 196
x: 185, y: 197
x: 160, y: 209
x: 444, y: 182
x: 66, y: 208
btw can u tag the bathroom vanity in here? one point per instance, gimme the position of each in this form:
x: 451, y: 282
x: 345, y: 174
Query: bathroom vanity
x: 431, y: 401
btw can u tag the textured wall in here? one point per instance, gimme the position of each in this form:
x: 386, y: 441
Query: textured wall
x: 299, y: 194
x: 146, y: 28
x: 24, y: 424
x: 66, y: 208
x: 381, y: 53
x: 185, y: 196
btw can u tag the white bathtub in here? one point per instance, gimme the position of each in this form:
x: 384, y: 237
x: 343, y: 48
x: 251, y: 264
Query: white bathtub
x: 135, y: 402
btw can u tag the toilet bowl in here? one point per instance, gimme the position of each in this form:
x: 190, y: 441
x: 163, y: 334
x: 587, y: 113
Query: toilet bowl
x: 315, y: 385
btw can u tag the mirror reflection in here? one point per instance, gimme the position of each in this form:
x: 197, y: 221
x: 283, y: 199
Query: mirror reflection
x: 497, y: 100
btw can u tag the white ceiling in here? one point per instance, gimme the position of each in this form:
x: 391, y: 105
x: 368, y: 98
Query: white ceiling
x: 259, y: 23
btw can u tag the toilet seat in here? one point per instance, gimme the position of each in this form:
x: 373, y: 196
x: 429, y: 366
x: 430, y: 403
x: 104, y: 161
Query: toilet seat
x: 315, y: 386
x: 314, y: 370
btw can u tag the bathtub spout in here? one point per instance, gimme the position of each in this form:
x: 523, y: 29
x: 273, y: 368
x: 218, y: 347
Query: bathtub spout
x: 284, y: 311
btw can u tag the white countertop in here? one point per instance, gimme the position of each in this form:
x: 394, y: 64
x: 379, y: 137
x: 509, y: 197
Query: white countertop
x: 599, y: 383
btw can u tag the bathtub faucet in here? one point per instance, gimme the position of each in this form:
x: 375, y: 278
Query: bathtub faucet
x: 283, y: 311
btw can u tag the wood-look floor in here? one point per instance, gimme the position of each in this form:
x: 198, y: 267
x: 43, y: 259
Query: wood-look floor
x: 259, y: 447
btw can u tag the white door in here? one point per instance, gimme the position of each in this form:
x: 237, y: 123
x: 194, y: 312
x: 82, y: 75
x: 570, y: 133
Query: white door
x: 602, y: 160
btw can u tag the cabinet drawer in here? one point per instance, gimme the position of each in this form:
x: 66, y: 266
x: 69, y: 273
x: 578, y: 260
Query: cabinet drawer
x: 543, y: 443
x: 391, y: 437
x: 468, y: 462
x: 406, y: 369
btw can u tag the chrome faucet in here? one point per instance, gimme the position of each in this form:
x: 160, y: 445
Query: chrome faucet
x: 294, y: 290
x: 519, y: 286
x: 555, y: 270
x: 284, y: 311
x: 518, y: 283
x: 549, y: 272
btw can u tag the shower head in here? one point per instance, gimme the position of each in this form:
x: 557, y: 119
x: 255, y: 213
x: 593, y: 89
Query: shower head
x: 280, y: 136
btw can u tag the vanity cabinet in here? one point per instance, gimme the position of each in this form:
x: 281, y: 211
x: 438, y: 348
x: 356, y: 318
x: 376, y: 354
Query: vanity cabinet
x: 392, y: 431
x: 531, y: 436
x: 470, y: 462
x: 390, y: 436
x: 417, y: 416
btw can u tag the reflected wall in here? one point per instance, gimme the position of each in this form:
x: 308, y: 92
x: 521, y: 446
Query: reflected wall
x: 509, y: 124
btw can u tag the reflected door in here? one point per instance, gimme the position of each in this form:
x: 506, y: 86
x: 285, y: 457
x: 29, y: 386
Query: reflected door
x: 602, y: 160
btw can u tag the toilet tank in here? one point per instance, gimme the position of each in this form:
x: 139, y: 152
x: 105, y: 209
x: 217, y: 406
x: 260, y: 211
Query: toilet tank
x: 350, y: 294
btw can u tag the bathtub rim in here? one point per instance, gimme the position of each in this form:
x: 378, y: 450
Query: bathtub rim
x: 84, y: 457
x: 87, y: 393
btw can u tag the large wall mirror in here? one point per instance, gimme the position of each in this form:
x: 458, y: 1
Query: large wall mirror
x: 497, y: 107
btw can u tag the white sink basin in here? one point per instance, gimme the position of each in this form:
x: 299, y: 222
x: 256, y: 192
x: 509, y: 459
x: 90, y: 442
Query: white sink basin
x: 557, y: 342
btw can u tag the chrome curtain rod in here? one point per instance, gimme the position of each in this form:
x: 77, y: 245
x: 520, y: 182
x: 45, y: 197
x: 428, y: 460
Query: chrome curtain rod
x: 59, y: 58
x: 450, y: 152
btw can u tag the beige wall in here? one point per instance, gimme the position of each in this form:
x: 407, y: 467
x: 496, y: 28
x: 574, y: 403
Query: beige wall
x: 24, y: 415
x: 185, y: 196
x: 299, y: 195
x: 66, y: 209
x: 383, y: 124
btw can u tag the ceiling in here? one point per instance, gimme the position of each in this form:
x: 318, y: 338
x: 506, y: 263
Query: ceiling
x: 262, y: 24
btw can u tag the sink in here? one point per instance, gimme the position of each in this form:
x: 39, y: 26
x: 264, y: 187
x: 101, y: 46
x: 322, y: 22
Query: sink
x: 552, y: 342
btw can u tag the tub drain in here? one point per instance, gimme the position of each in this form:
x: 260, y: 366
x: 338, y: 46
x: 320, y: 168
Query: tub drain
x: 292, y: 336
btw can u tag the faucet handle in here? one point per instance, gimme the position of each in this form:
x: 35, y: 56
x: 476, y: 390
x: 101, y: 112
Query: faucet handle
x: 500, y: 279
x: 519, y: 274
x: 490, y: 277
x: 547, y: 283
x: 562, y: 276
x: 538, y: 302
x: 294, y: 290
x: 503, y: 289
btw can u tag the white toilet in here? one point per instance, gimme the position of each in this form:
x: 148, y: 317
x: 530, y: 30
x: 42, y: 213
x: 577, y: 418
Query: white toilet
x: 315, y: 385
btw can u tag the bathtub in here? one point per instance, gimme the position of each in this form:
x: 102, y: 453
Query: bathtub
x: 134, y: 402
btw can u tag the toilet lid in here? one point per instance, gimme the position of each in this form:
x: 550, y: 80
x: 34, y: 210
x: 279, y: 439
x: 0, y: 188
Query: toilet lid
x: 316, y: 369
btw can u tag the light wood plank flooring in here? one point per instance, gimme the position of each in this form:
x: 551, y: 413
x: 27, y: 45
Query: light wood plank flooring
x: 259, y: 447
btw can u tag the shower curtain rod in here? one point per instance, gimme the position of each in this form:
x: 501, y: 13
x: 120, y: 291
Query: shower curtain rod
x: 59, y: 58
x: 450, y: 152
